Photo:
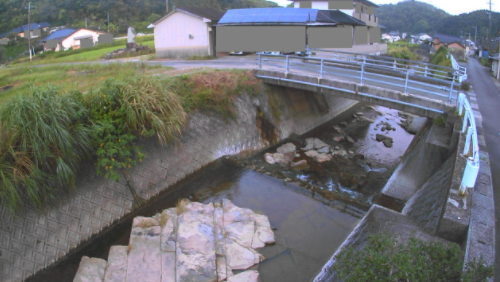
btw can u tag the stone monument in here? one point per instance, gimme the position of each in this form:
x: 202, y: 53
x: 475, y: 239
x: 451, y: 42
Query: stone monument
x: 131, y: 34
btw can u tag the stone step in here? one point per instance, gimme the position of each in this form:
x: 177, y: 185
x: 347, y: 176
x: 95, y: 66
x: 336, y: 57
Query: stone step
x: 193, y: 242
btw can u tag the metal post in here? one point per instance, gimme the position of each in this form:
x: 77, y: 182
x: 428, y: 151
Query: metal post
x: 29, y: 29
x: 394, y: 66
x: 322, y: 66
x: 260, y: 61
x: 451, y: 90
x: 362, y: 73
x: 406, y: 82
x: 287, y: 64
x: 426, y: 70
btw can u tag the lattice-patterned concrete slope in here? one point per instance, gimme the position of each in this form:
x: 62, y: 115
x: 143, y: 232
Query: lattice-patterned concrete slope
x: 190, y: 243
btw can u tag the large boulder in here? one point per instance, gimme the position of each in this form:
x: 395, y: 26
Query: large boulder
x: 288, y: 150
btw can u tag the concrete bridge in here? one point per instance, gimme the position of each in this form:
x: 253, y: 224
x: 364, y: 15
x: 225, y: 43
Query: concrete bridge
x: 418, y: 88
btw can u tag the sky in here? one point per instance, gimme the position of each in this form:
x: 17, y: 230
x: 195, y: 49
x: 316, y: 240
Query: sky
x: 454, y: 7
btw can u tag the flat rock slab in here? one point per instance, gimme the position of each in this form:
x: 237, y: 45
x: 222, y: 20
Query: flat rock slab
x: 117, y: 266
x: 90, y: 270
x: 193, y: 242
x: 144, y: 257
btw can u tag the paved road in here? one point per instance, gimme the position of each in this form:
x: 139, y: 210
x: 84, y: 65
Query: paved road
x: 488, y: 98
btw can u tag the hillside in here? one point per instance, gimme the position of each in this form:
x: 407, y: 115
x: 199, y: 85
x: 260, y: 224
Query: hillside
x: 123, y: 13
x: 416, y: 17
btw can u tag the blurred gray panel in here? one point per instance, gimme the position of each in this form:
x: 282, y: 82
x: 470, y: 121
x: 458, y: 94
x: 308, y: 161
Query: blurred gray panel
x: 51, y: 43
x: 4, y: 41
x: 360, y: 35
x: 329, y: 37
x: 341, y: 4
x: 105, y: 38
x: 86, y: 43
x: 371, y: 10
x: 260, y: 38
x: 306, y: 4
x: 358, y: 8
x: 37, y: 32
x: 375, y: 35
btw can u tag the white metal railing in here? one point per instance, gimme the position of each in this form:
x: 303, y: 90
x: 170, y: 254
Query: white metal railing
x: 420, y: 68
x: 461, y: 71
x: 471, y: 148
x: 405, y: 79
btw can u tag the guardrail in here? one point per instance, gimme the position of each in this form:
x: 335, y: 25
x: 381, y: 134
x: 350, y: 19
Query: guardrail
x: 425, y: 69
x: 403, y: 78
x: 471, y: 148
x: 461, y: 71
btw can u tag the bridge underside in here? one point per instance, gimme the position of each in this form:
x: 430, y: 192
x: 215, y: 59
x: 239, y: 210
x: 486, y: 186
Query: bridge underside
x: 417, y: 105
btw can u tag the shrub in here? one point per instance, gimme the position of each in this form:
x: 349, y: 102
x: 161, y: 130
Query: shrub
x: 465, y: 86
x: 386, y: 258
x: 42, y: 139
x: 121, y: 110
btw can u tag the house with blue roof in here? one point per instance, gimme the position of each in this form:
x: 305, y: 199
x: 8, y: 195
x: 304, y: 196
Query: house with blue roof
x: 292, y: 30
x: 68, y: 38
x: 53, y: 41
x: 36, y: 30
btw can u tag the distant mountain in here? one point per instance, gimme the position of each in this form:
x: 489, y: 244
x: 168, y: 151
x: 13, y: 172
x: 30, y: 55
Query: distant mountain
x: 418, y: 17
x: 123, y: 13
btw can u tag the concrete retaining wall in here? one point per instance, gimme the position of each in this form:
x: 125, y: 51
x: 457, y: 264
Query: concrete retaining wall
x: 33, y: 240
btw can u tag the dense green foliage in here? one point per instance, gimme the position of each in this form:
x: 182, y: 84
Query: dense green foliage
x: 441, y: 57
x: 386, y: 258
x: 121, y: 110
x: 42, y: 138
x: 123, y: 13
x: 418, y: 17
x: 45, y: 134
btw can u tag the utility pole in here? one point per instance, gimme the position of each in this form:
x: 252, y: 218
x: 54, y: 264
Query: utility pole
x: 475, y: 35
x: 29, y: 29
x: 167, y: 7
x: 489, y: 30
x: 108, y: 22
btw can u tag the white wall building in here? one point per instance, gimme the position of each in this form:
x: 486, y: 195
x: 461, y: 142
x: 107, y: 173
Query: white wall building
x: 186, y: 31
x: 75, y: 40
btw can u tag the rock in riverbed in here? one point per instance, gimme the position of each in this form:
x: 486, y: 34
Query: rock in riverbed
x: 388, y: 141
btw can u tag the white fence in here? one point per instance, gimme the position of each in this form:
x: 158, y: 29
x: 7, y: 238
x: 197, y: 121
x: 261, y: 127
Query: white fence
x: 471, y: 148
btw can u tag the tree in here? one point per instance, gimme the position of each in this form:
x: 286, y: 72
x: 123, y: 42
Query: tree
x: 422, y: 26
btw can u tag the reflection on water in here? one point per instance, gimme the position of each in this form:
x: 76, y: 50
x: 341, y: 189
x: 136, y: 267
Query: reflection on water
x: 375, y: 152
x: 307, y: 231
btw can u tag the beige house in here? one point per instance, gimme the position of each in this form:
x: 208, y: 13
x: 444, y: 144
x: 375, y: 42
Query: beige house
x: 186, y: 31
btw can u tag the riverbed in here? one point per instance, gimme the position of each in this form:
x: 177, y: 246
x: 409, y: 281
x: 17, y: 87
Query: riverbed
x: 311, y: 211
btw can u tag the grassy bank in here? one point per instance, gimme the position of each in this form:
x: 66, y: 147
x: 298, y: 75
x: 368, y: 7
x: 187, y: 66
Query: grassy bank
x: 388, y: 258
x: 76, y: 77
x: 47, y: 131
x: 82, y: 55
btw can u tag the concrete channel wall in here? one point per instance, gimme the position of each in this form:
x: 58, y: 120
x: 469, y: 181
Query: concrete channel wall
x: 32, y: 239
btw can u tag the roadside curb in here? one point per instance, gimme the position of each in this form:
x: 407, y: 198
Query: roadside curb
x: 481, y: 233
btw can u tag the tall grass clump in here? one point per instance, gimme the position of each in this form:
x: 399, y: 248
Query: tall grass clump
x: 42, y: 140
x: 213, y: 90
x: 122, y: 110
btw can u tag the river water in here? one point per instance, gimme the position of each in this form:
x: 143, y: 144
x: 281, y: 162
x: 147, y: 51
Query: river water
x: 311, y: 212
